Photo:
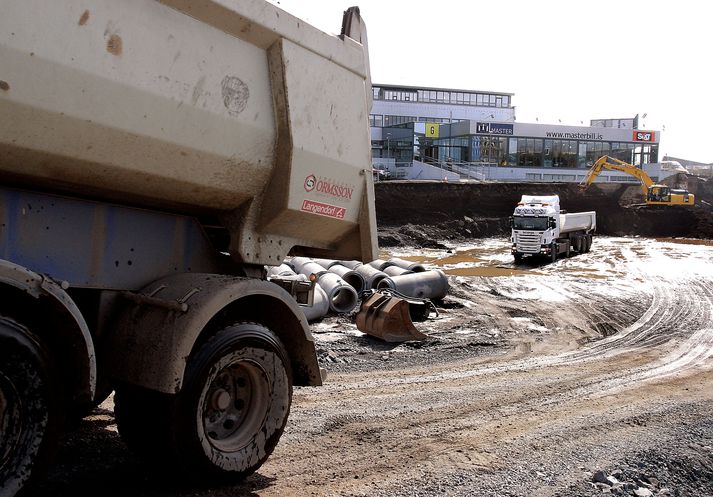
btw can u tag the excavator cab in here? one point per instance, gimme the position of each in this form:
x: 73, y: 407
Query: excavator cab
x: 659, y: 193
x: 662, y: 194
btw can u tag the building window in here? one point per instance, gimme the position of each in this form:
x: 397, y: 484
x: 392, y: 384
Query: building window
x: 395, y: 120
x: 376, y: 120
x: 560, y: 153
x: 526, y: 152
x: 488, y: 149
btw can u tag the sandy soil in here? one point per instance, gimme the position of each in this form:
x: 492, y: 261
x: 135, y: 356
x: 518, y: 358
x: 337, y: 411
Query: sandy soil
x: 533, y: 378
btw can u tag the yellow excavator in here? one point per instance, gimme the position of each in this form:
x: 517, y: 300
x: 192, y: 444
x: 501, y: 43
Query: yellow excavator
x: 653, y: 193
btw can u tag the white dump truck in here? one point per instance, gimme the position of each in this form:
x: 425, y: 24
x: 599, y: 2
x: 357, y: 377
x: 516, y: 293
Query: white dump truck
x: 539, y: 227
x: 155, y: 156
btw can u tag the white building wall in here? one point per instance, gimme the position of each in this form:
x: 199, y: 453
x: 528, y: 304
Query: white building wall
x: 421, y: 171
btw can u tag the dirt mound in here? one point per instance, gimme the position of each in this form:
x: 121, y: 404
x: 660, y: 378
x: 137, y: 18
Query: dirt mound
x: 419, y: 213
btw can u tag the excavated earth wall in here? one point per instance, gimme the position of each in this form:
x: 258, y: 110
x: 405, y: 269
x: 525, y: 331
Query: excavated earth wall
x: 420, y: 212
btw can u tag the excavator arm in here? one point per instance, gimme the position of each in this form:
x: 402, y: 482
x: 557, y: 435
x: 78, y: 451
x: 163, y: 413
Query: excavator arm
x: 606, y: 162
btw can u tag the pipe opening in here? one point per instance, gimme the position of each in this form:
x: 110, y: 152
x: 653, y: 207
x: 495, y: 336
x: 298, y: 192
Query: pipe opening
x: 344, y: 299
x: 355, y: 280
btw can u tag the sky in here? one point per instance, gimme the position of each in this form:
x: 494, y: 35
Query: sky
x: 566, y: 61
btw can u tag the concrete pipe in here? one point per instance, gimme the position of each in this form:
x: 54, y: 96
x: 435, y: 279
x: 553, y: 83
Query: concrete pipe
x: 396, y: 271
x: 319, y: 307
x: 411, y: 266
x: 320, y: 301
x: 350, y: 276
x: 326, y: 263
x: 311, y: 267
x: 351, y: 264
x: 342, y: 297
x: 380, y: 264
x: 424, y: 285
x: 281, y: 270
x: 298, y: 262
x: 371, y: 276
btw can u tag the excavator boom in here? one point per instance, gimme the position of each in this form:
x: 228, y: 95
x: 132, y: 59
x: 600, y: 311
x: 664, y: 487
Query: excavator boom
x: 653, y: 193
x: 606, y: 162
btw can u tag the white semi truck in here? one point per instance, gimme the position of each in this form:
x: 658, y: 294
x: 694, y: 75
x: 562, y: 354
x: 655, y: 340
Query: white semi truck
x: 155, y: 156
x: 540, y: 228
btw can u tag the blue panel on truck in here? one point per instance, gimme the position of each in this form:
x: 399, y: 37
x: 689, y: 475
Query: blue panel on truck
x: 99, y: 245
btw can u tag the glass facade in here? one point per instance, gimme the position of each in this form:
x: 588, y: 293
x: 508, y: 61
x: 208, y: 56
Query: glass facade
x: 397, y: 144
x: 488, y: 149
x: 543, y: 152
x: 442, y: 96
x: 509, y: 151
x: 575, y: 150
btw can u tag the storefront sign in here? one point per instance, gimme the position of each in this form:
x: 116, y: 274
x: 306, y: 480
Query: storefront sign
x: 494, y: 129
x: 644, y: 136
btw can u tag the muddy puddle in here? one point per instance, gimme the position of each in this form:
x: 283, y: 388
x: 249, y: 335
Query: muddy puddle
x: 686, y: 241
x: 492, y: 258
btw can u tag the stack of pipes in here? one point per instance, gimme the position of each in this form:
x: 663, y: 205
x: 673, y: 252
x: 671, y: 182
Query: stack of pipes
x: 339, y: 284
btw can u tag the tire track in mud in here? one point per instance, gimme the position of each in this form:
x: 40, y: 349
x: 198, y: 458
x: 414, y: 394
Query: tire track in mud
x: 468, y: 415
x: 679, y: 316
x: 393, y: 432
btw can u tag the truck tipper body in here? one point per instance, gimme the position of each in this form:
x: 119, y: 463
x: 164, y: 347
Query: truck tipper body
x: 540, y: 228
x: 154, y: 158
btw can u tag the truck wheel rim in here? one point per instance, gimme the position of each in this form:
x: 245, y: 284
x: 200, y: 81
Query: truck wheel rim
x: 9, y: 419
x: 235, y: 405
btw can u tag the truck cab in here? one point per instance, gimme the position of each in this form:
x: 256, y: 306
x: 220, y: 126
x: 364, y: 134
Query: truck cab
x: 540, y: 227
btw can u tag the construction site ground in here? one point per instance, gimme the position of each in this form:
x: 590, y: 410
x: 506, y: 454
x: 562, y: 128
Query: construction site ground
x: 589, y: 376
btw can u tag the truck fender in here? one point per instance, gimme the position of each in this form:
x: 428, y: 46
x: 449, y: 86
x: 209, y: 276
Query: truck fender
x: 159, y: 327
x: 67, y: 334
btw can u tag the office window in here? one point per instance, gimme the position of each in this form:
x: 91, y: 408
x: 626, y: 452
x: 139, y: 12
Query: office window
x: 560, y: 153
x: 529, y: 151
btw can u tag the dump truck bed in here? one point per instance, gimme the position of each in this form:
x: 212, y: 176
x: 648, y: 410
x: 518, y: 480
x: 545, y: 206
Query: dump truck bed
x: 201, y: 106
x: 578, y: 221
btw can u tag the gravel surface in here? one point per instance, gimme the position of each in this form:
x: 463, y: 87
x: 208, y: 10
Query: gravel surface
x: 590, y: 376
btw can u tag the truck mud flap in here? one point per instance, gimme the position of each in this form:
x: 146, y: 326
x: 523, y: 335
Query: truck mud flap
x: 387, y: 317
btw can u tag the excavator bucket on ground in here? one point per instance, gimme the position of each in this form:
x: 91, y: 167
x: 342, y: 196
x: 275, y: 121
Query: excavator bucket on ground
x: 387, y: 317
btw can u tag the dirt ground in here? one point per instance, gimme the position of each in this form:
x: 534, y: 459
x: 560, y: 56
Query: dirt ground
x: 536, y: 380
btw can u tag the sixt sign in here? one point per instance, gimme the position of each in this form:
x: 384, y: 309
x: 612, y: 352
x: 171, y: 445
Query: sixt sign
x: 644, y: 136
x: 494, y: 129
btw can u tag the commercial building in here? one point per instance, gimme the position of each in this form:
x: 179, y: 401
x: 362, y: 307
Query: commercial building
x: 417, y: 133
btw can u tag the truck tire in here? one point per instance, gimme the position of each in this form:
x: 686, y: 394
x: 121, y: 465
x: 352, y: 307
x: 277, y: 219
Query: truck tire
x: 30, y: 416
x: 553, y: 252
x: 518, y: 257
x: 587, y: 243
x: 230, y: 413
